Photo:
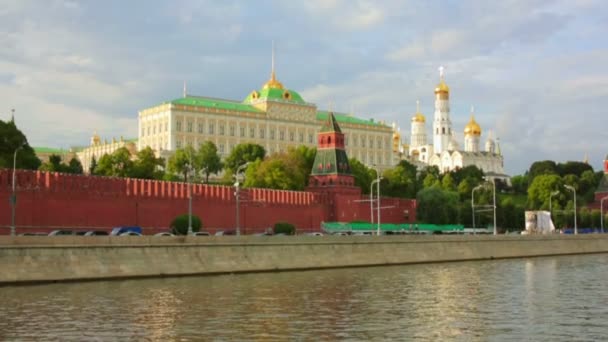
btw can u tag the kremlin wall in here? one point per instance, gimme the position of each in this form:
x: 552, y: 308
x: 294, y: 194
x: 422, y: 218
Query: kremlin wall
x: 47, y: 201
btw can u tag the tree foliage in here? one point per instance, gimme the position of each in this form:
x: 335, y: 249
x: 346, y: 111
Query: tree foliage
x: 243, y: 153
x: 400, y: 181
x: 11, y: 138
x: 117, y: 164
x: 179, y: 225
x: 55, y: 164
x: 437, y: 206
x: 147, y: 165
x: 181, y: 162
x: 285, y: 171
x: 362, y: 174
x: 208, y: 160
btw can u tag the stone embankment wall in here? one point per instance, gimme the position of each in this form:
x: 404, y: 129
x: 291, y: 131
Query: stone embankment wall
x: 32, y: 259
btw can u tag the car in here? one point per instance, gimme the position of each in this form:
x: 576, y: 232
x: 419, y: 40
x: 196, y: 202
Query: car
x: 121, y: 230
x: 59, y: 232
x: 33, y: 234
x: 201, y: 234
x: 225, y: 232
x: 96, y: 233
x: 129, y: 234
x: 163, y: 234
x: 340, y: 233
x: 315, y: 234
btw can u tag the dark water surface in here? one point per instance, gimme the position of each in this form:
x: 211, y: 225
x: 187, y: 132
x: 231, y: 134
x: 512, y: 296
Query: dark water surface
x: 540, y: 299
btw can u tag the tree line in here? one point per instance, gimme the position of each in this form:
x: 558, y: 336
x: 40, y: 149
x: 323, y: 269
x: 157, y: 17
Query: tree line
x: 442, y: 198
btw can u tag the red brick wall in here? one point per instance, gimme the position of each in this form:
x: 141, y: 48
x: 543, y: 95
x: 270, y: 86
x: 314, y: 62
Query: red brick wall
x: 50, y: 200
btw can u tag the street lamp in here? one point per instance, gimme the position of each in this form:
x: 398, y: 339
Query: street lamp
x: 378, y: 178
x: 602, y: 212
x: 236, y: 194
x: 14, y: 194
x: 550, y: 197
x: 190, y: 168
x: 494, y: 193
x: 371, y: 198
x: 473, y: 203
x: 571, y: 188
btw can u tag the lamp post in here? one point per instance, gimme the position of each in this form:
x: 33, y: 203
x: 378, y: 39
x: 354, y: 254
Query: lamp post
x: 571, y: 188
x: 550, y: 197
x: 14, y: 194
x: 190, y: 168
x: 378, y: 178
x: 602, y: 213
x: 473, y: 203
x: 237, y: 195
x: 494, y: 200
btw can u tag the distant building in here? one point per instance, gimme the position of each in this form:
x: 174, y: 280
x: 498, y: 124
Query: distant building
x: 445, y: 152
x: 44, y: 153
x: 98, y: 148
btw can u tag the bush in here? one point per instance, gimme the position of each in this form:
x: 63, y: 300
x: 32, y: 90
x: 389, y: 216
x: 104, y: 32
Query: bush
x: 284, y: 228
x: 179, y: 225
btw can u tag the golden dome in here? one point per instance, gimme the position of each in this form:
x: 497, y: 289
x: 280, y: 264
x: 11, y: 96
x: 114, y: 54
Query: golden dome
x: 273, y: 83
x: 442, y: 88
x: 472, y: 128
x: 418, y: 117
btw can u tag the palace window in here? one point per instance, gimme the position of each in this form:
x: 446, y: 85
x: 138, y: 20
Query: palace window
x: 362, y: 141
x: 281, y: 135
x: 355, y: 141
x: 221, y: 148
x: 242, y: 131
x: 221, y: 129
x: 200, y: 128
x: 272, y: 134
x: 371, y: 142
x: 310, y: 138
x: 178, y: 144
x: 190, y: 126
x: 262, y: 133
x: 231, y: 130
x: 148, y: 130
x: 166, y: 126
x: 211, y: 128
x: 252, y: 132
x: 291, y: 136
x: 178, y: 126
x: 379, y: 143
x: 154, y: 129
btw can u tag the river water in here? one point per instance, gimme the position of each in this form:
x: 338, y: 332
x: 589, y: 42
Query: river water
x: 538, y: 299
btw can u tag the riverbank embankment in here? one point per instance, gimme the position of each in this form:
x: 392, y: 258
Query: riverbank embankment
x: 39, y: 259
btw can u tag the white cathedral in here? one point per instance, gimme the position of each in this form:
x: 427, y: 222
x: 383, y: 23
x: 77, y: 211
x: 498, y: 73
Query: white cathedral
x: 445, y: 152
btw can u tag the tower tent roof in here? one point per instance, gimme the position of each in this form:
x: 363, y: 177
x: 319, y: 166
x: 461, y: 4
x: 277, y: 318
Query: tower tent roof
x: 331, y: 125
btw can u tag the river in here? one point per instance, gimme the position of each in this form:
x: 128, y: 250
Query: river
x: 551, y: 299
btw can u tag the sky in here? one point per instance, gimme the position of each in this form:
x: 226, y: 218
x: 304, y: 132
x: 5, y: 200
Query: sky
x: 535, y: 71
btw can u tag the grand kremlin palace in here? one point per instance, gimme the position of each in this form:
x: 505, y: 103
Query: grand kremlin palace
x: 274, y: 117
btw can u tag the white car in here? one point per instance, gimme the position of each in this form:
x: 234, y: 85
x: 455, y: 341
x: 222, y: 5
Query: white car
x: 130, y: 234
x: 163, y: 234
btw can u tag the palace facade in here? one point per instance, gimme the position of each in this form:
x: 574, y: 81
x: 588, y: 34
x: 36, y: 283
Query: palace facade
x: 274, y: 117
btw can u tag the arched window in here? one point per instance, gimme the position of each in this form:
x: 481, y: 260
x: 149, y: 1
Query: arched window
x: 443, y: 130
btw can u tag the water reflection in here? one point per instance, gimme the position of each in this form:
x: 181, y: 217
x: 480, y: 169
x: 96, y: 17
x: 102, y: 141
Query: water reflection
x: 559, y: 299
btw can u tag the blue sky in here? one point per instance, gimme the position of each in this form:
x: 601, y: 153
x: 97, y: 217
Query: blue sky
x: 535, y: 71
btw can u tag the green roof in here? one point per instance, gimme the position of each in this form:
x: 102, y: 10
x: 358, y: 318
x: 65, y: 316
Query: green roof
x: 49, y: 150
x: 209, y: 102
x: 346, y: 118
x: 274, y: 94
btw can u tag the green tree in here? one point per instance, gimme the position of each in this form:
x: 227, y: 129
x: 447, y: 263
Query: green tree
x: 10, y: 139
x: 574, y: 168
x: 400, y: 181
x: 75, y: 166
x: 147, y: 165
x: 541, y: 188
x: 438, y: 206
x: 447, y: 182
x: 208, y: 160
x: 54, y: 164
x: 430, y: 180
x: 464, y: 189
x: 471, y: 172
x: 181, y: 161
x: 280, y: 171
x: 179, y: 225
x: 117, y: 164
x: 362, y: 174
x: 545, y: 167
x: 520, y: 184
x: 243, y: 153
x: 93, y: 166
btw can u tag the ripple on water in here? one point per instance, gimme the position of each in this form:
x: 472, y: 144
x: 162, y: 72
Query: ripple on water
x: 557, y: 299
